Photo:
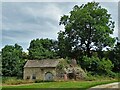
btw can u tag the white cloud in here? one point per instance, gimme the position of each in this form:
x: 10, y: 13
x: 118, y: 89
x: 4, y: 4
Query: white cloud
x: 47, y: 11
x: 23, y: 22
x: 59, y: 0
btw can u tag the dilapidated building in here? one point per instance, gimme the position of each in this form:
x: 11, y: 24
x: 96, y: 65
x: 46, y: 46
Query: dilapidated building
x: 51, y: 69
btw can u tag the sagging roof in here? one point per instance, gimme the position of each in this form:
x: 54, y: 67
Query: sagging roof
x: 42, y: 63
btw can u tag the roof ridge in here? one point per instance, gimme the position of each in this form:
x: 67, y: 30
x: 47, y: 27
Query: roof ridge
x: 42, y: 63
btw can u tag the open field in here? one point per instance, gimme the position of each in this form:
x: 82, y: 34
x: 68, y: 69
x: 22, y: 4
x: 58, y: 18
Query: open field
x: 67, y: 84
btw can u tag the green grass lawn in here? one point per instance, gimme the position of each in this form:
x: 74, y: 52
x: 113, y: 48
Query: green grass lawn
x: 68, y: 84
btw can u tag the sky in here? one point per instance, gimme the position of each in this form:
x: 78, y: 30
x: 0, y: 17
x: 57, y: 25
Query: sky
x: 25, y: 21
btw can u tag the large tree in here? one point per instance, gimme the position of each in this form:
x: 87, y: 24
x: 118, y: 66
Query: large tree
x: 42, y: 49
x: 12, y: 61
x: 87, y: 27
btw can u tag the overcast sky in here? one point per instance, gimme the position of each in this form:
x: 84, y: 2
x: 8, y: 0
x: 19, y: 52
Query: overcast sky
x: 24, y: 21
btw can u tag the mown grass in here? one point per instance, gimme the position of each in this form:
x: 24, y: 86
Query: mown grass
x: 90, y: 81
x: 67, y: 84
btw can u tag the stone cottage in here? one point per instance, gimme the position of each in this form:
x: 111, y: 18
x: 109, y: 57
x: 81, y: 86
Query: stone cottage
x: 51, y: 69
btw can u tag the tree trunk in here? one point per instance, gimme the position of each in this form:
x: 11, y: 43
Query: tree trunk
x: 88, y: 51
x: 89, y: 41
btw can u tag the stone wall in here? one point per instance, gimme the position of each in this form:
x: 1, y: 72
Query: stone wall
x: 39, y: 73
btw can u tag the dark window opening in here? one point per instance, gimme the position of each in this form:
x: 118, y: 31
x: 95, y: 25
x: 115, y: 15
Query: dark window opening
x: 71, y: 75
x: 33, y: 77
x: 28, y: 77
x: 42, y: 70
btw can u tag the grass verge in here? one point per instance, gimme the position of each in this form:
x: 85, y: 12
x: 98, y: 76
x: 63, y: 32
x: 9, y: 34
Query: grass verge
x: 68, y: 84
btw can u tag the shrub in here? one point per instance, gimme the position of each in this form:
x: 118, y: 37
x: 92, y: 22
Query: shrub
x: 111, y: 74
x: 105, y: 65
x: 90, y: 64
x: 94, y: 77
x: 90, y: 77
x: 98, y: 66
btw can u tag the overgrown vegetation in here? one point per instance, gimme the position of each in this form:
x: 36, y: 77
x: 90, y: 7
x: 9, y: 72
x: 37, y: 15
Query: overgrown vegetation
x: 98, y: 66
x: 63, y: 64
x: 87, y: 33
x: 14, y: 81
x: 95, y: 77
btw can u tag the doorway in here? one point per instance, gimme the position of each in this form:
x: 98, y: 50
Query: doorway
x: 48, y: 76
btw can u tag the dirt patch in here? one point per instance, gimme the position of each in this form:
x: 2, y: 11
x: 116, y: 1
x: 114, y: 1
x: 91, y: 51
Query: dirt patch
x: 111, y: 85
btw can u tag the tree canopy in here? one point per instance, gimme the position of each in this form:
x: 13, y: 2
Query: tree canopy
x: 88, y: 27
x: 12, y: 62
x: 42, y: 49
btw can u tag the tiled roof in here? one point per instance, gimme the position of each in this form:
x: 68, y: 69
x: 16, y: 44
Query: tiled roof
x: 42, y: 63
